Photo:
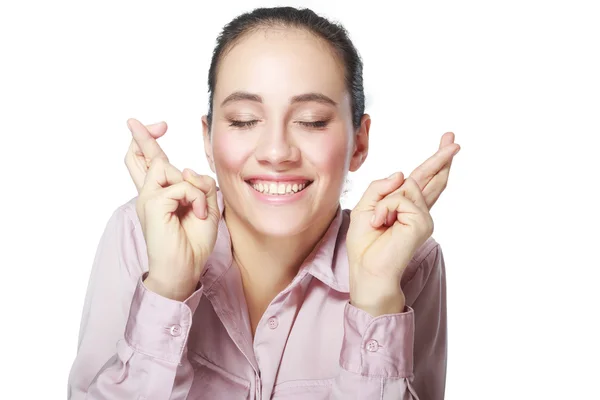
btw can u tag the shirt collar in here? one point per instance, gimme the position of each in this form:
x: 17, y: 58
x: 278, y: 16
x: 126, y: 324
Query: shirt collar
x: 329, y: 260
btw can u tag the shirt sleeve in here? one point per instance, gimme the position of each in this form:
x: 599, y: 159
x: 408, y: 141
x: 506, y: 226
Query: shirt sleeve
x: 132, y: 341
x: 399, y: 356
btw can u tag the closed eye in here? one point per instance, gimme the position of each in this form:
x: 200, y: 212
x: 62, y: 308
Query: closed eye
x: 251, y: 123
x: 315, y: 124
x: 243, y: 124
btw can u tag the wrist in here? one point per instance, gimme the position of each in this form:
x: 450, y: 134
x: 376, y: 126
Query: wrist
x: 380, y: 304
x: 377, y: 296
x: 168, y: 290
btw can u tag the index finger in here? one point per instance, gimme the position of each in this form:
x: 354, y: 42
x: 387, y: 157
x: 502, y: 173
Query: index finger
x: 434, y: 164
x: 146, y: 143
x: 378, y: 190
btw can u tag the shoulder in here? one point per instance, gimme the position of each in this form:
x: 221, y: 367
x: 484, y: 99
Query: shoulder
x: 125, y: 215
x: 126, y: 212
x: 426, y: 259
x: 125, y: 239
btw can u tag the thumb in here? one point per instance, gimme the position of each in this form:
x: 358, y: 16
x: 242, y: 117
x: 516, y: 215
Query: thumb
x: 378, y: 190
x: 208, y: 186
x: 211, y: 198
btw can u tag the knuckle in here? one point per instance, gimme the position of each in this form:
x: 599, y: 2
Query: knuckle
x: 210, y: 180
x: 188, y: 188
x: 378, y: 207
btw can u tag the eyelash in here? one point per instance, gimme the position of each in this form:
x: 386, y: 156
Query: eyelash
x: 250, y: 124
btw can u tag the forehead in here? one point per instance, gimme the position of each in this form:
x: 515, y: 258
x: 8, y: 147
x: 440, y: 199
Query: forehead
x: 279, y: 63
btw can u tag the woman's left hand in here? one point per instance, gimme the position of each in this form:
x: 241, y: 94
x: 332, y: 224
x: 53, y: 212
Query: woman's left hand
x: 377, y: 253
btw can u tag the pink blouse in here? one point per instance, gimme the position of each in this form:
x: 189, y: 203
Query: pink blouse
x: 309, y: 344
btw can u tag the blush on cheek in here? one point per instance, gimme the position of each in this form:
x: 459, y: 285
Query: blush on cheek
x: 328, y: 156
x: 229, y: 154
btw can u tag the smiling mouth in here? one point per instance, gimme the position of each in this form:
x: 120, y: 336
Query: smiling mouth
x: 279, y: 188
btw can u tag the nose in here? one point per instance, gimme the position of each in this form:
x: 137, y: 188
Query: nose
x: 276, y: 147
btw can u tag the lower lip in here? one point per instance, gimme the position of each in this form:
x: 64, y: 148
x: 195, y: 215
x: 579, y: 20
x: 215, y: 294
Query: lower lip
x: 278, y: 199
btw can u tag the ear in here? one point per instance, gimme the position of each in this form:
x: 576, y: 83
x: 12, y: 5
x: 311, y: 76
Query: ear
x: 207, y: 144
x: 361, y: 144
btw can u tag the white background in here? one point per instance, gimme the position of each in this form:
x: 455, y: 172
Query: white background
x: 517, y: 81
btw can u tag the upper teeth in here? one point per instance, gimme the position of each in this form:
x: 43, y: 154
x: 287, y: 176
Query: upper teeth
x: 278, y: 187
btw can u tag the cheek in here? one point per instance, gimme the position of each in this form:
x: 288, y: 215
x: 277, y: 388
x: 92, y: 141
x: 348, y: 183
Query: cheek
x: 329, y: 155
x: 230, y: 154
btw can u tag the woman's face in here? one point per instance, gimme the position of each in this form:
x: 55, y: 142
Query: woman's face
x: 282, y: 138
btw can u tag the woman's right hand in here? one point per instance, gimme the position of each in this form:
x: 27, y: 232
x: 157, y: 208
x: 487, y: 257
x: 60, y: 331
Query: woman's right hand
x: 179, y: 218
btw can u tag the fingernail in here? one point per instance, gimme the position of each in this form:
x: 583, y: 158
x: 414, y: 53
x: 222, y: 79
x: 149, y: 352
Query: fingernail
x: 456, y: 152
x: 193, y: 172
x: 392, y: 176
x: 128, y: 125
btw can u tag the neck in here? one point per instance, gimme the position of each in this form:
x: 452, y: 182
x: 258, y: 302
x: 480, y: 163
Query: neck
x: 268, y: 264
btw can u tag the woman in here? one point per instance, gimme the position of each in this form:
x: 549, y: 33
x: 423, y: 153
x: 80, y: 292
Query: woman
x: 266, y: 288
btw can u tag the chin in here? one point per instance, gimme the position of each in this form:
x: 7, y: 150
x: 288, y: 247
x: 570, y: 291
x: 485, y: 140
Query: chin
x: 280, y: 227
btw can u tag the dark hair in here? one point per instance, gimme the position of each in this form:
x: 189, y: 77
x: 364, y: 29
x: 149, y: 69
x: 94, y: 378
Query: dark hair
x: 332, y: 33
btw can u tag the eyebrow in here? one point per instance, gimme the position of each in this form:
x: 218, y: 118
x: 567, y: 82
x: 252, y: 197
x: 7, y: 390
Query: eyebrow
x: 301, y: 98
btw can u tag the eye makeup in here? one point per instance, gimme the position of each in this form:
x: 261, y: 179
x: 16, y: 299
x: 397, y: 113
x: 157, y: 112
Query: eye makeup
x: 322, y: 124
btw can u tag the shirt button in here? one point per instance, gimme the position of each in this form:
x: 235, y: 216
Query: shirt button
x: 372, y: 345
x: 175, y: 330
x: 273, y: 323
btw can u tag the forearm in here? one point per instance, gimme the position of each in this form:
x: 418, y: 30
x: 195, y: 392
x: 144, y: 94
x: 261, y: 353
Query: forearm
x: 152, y: 351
